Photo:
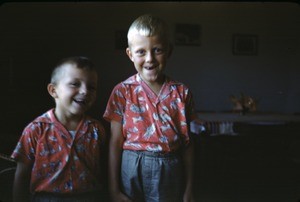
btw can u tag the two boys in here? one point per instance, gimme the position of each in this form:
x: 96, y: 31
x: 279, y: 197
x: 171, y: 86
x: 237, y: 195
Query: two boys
x: 150, y: 149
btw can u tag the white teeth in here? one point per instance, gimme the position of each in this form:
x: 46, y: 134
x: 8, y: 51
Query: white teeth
x: 148, y: 68
x: 80, y: 101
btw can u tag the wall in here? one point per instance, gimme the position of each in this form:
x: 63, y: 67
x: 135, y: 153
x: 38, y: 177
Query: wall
x: 34, y: 36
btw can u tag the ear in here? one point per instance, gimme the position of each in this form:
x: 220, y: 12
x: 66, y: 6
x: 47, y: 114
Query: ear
x: 52, y: 90
x: 170, y: 50
x: 129, y: 53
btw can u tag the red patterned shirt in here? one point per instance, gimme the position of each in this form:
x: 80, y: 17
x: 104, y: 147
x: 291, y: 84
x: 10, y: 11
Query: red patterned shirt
x: 62, y: 163
x: 151, y: 122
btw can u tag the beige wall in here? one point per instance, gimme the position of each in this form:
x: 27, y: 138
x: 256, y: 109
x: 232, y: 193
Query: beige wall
x: 33, y: 36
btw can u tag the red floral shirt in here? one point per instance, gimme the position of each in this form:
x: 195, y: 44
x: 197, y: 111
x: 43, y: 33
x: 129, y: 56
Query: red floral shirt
x: 150, y: 122
x: 62, y: 163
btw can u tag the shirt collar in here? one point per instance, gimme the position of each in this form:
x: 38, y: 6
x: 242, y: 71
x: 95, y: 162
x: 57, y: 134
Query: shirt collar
x: 137, y: 80
x: 49, y: 117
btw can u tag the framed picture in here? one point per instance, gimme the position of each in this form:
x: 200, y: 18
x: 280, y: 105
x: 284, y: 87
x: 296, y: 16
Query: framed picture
x: 244, y: 44
x: 187, y: 34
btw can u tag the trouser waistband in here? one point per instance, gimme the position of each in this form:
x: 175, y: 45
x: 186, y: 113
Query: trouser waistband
x: 154, y: 154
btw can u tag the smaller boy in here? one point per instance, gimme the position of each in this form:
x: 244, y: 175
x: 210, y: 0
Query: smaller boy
x: 150, y: 149
x: 59, y: 153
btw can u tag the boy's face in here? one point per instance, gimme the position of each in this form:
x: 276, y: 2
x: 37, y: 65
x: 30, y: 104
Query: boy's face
x: 74, y: 92
x: 149, y: 55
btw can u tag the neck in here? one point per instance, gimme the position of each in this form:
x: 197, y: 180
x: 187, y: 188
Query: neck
x: 70, y: 122
x: 157, y: 85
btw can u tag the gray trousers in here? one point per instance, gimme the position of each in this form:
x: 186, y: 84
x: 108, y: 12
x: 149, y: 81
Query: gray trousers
x: 152, y: 177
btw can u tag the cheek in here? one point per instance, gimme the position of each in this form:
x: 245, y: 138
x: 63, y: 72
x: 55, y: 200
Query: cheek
x: 137, y: 60
x: 162, y: 59
x: 93, y: 96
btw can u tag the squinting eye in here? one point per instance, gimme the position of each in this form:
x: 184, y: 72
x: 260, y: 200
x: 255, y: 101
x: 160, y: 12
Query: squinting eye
x: 75, y: 84
x: 92, y: 88
x: 140, y: 52
x: 158, y: 50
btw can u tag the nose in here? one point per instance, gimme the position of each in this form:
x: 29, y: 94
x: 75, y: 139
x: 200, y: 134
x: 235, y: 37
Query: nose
x: 149, y: 57
x: 83, y: 89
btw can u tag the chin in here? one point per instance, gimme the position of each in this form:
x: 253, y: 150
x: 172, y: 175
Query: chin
x: 151, y: 80
x: 79, y: 111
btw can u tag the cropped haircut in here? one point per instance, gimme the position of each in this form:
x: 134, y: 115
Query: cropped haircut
x: 78, y: 61
x: 149, y: 25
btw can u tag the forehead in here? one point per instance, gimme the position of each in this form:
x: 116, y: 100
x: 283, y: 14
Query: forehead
x: 73, y: 71
x: 140, y: 40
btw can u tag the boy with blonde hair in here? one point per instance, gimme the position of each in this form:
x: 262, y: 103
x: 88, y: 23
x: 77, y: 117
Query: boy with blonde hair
x: 150, y: 149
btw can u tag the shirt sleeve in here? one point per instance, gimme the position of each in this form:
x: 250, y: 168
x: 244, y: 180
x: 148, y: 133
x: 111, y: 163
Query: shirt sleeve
x: 191, y: 113
x: 26, y: 146
x: 116, y: 104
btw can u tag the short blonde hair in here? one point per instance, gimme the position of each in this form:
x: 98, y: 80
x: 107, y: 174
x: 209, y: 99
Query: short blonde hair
x: 149, y: 25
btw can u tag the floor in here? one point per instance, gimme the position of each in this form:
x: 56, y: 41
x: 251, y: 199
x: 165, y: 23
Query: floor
x: 261, y: 164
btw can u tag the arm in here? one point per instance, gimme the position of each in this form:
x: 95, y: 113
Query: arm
x: 114, y: 162
x: 21, y: 191
x: 188, y: 158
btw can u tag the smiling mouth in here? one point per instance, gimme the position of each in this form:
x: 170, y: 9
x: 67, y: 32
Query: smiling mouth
x: 80, y: 102
x: 149, y: 68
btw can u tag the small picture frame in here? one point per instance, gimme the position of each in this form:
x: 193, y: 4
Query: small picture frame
x: 244, y: 44
x: 187, y: 34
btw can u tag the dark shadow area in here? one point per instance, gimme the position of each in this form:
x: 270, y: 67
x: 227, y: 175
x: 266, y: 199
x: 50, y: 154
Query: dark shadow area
x: 260, y: 164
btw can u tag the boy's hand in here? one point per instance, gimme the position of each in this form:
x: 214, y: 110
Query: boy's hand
x: 188, y: 197
x: 189, y: 167
x: 22, y: 182
x: 120, y: 197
